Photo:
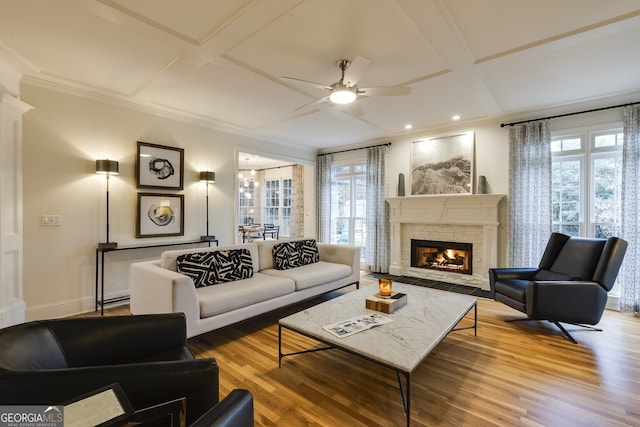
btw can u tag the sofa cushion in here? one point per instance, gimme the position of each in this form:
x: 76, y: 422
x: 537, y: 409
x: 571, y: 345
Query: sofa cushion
x: 227, y: 297
x: 295, y: 253
x: 221, y: 266
x: 310, y: 275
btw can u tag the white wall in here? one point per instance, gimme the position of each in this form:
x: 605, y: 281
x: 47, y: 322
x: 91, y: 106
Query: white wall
x: 63, y: 136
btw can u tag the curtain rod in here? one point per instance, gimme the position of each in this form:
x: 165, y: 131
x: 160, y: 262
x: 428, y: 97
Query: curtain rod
x: 354, y: 149
x: 569, y: 114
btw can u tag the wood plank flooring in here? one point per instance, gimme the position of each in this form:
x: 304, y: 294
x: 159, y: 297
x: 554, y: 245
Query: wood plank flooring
x: 511, y: 374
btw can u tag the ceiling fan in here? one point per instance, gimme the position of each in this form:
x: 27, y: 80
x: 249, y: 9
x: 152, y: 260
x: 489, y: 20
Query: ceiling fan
x: 345, y: 91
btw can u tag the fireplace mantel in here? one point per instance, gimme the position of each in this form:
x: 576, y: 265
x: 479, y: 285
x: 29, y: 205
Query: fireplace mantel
x: 448, y: 214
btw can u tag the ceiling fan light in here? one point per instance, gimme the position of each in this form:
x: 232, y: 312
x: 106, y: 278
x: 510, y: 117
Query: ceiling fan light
x: 342, y: 96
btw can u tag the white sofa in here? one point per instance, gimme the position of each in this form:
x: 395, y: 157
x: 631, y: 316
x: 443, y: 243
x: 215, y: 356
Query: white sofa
x: 157, y: 287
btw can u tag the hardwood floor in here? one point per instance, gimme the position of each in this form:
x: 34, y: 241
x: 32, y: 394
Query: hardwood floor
x: 511, y: 374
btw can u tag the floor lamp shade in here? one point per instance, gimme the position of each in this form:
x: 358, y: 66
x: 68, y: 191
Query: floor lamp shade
x: 207, y: 177
x: 107, y: 167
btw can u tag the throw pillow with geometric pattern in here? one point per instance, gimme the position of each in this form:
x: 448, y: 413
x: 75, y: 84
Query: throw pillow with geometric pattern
x: 295, y: 254
x: 308, y: 251
x: 230, y: 265
x: 198, y: 267
x: 286, y: 255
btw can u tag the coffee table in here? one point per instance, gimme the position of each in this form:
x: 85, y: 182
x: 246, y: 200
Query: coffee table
x: 400, y: 345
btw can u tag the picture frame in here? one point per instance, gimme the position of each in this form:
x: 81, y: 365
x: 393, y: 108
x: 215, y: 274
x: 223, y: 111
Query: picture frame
x: 443, y: 165
x: 160, y: 215
x: 159, y: 166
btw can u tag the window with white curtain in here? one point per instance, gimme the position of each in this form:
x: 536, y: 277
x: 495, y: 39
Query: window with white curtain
x: 586, y: 181
x: 348, y: 202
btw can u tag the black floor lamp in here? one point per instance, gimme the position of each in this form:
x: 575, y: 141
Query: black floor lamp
x: 107, y: 167
x: 207, y: 177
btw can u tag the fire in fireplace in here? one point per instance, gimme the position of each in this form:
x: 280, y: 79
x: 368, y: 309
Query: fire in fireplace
x: 445, y: 256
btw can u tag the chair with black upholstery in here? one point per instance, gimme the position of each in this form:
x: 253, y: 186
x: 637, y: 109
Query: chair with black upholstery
x: 271, y: 230
x: 570, y: 284
x: 50, y: 362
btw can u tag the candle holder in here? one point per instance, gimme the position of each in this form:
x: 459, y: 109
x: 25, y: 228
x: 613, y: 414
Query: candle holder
x: 384, y: 287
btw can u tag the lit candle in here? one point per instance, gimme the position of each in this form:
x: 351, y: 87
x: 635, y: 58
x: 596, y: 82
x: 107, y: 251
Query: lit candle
x: 384, y: 287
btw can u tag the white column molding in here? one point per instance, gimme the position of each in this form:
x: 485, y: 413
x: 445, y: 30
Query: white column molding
x: 12, y: 304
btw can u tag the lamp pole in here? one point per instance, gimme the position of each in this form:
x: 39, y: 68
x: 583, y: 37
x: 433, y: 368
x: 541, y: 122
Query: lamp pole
x: 207, y: 177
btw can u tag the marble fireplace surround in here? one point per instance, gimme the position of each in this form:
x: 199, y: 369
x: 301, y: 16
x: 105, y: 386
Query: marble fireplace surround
x: 467, y: 218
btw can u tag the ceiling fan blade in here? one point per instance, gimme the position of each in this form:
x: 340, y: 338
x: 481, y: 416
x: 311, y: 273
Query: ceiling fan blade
x: 306, y: 83
x: 384, y: 91
x: 315, y: 101
x: 355, y: 71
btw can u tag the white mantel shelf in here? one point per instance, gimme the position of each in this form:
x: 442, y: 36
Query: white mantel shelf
x: 448, y: 211
x: 468, y: 209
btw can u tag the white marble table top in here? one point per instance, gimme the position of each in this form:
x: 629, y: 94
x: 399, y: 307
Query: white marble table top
x: 416, y: 328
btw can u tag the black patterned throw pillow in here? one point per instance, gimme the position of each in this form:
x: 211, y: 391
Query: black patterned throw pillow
x: 231, y: 265
x: 210, y: 268
x: 198, y: 267
x: 309, y: 251
x: 295, y: 254
x: 285, y: 255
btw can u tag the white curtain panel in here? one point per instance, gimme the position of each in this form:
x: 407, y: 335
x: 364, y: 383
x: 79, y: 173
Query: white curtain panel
x: 630, y: 272
x: 323, y: 202
x: 529, y: 212
x: 297, y: 201
x: 376, y: 250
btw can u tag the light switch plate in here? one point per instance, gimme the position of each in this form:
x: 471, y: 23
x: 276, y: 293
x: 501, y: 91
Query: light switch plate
x: 51, y: 220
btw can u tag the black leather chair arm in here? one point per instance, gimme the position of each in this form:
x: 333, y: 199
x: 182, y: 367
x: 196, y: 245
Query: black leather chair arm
x: 235, y: 410
x: 513, y: 273
x: 121, y: 339
x: 567, y: 301
x: 145, y: 384
x: 497, y: 274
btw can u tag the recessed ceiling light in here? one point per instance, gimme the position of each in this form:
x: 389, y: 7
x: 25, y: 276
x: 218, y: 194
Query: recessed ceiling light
x: 455, y: 117
x: 408, y: 126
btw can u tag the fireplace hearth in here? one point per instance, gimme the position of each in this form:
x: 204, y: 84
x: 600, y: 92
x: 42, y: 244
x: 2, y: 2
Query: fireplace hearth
x: 454, y: 257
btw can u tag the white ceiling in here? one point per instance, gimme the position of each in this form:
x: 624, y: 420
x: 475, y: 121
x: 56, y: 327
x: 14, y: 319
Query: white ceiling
x: 220, y: 62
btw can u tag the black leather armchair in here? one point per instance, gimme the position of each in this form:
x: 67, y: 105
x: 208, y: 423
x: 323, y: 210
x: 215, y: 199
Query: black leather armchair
x: 53, y: 361
x: 570, y: 285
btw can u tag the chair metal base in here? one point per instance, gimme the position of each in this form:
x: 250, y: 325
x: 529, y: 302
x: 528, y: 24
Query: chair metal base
x: 562, y: 328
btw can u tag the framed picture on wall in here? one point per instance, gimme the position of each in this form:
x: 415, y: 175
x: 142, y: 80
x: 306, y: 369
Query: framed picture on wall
x: 160, y: 215
x: 443, y: 165
x: 158, y: 166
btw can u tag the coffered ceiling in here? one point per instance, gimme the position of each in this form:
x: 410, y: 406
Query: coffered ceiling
x: 220, y: 62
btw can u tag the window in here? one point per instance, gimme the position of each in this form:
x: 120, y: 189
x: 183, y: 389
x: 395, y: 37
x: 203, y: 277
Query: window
x: 348, y: 202
x: 586, y: 182
x: 247, y: 203
x: 277, y: 204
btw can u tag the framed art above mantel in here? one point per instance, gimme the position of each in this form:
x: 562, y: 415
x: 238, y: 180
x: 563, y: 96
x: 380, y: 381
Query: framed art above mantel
x: 443, y: 165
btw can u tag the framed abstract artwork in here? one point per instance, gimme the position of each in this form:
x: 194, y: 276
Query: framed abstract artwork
x: 443, y: 165
x: 158, y: 166
x: 160, y: 215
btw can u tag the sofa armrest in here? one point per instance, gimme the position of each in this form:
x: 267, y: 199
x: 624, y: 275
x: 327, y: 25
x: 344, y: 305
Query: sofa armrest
x: 569, y: 301
x: 145, y: 384
x: 158, y: 290
x: 235, y: 410
x: 342, y: 254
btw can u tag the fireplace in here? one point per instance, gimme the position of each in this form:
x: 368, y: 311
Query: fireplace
x: 454, y: 257
x: 470, y: 218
